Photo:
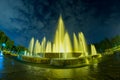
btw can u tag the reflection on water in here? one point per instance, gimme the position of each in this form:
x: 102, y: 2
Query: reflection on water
x: 59, y: 73
x: 16, y: 70
x: 1, y: 63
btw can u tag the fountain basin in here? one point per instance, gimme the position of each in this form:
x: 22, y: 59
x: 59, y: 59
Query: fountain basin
x: 59, y: 55
x: 35, y: 59
x: 96, y: 56
x: 61, y: 62
x: 56, y: 59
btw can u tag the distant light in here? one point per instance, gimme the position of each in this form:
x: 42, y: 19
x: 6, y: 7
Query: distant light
x: 3, y: 44
x: 1, y: 53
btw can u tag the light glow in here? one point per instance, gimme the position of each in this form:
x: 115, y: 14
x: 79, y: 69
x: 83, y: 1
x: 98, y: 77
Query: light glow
x: 61, y: 44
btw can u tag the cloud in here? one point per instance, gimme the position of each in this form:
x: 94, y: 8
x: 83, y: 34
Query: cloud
x: 27, y: 18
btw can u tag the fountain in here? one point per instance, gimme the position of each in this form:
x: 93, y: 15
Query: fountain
x: 31, y: 47
x: 36, y: 48
x: 61, y: 49
x: 94, y: 51
x: 61, y: 45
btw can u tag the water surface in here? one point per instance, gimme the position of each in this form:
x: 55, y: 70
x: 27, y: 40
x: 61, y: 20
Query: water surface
x: 12, y: 69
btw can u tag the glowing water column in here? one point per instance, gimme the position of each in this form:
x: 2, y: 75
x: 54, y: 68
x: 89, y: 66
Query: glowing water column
x: 83, y: 44
x: 30, y: 48
x: 67, y: 46
x: 93, y: 50
x: 59, y: 37
x: 80, y: 45
x: 76, y: 44
x: 36, y: 48
x: 43, y: 46
x: 48, y: 47
x: 62, y: 43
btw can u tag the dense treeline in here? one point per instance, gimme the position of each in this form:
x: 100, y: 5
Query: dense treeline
x: 108, y: 43
x: 7, y: 44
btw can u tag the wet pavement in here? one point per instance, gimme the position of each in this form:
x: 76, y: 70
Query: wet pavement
x: 12, y: 69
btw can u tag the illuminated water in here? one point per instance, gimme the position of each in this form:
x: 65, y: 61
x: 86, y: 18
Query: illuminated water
x: 93, y: 50
x: 30, y: 48
x: 61, y: 44
x: 11, y: 69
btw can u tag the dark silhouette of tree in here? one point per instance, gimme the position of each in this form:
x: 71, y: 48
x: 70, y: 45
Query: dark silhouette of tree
x: 4, y: 39
x: 108, y: 43
x: 115, y: 41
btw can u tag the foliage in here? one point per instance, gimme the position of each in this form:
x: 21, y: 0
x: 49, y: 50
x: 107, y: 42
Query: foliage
x: 108, y: 43
x: 9, y: 43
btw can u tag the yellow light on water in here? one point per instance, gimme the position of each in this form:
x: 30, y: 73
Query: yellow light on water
x: 67, y: 43
x: 43, y: 45
x: 48, y: 47
x: 76, y: 44
x: 31, y: 46
x: 93, y: 50
x: 62, y: 43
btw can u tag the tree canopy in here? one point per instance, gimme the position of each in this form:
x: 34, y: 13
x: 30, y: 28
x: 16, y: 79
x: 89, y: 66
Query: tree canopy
x: 7, y: 44
x: 108, y: 43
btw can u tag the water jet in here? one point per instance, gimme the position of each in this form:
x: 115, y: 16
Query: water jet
x: 62, y: 51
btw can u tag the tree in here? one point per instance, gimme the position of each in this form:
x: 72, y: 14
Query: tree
x: 115, y: 41
x: 104, y: 44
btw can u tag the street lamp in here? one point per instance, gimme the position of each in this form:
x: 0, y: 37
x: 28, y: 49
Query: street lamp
x: 3, y: 46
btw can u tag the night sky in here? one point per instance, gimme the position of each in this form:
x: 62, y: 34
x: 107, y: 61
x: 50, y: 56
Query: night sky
x: 23, y: 19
